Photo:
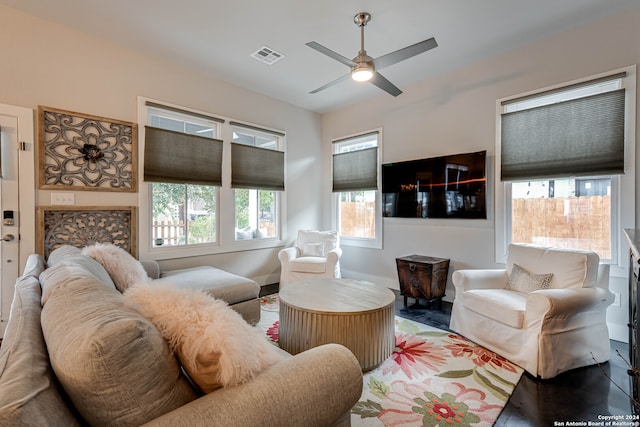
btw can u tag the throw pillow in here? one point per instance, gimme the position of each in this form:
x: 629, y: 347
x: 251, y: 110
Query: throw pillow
x: 329, y: 238
x: 313, y: 249
x: 246, y: 233
x: 215, y: 345
x: 526, y: 282
x: 123, y: 268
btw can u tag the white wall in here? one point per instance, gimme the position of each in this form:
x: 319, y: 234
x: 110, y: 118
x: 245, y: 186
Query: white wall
x: 456, y: 113
x: 47, y: 64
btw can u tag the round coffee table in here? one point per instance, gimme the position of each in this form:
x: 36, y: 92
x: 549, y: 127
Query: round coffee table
x: 356, y: 314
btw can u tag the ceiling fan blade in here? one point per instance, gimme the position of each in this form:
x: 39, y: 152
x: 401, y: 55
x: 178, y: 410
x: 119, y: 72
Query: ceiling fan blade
x: 385, y: 84
x: 336, y: 81
x: 405, y: 53
x: 317, y: 46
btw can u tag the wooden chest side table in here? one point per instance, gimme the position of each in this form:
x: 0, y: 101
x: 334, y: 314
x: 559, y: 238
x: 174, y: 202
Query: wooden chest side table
x: 423, y: 277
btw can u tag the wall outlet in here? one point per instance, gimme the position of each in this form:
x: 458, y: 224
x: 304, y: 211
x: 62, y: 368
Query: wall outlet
x: 63, y: 199
x: 616, y: 299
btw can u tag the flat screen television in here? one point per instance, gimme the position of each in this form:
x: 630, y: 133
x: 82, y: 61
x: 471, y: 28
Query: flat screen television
x: 451, y: 186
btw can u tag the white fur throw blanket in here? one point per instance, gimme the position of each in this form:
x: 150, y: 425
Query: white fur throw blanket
x: 215, y: 345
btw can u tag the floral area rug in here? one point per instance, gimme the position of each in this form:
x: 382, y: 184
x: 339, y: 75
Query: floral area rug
x: 433, y: 378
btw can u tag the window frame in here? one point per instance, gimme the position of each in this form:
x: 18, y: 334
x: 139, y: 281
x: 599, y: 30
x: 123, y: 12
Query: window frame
x: 225, y: 203
x: 622, y: 208
x: 376, y: 242
x: 280, y: 146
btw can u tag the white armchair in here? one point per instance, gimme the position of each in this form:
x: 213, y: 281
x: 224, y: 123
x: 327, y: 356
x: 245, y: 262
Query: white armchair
x: 315, y: 255
x: 545, y: 312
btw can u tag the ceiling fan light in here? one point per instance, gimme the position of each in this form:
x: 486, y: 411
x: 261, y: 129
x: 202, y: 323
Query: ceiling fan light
x: 362, y: 74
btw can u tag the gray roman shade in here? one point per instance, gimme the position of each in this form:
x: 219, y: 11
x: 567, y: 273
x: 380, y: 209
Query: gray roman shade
x: 256, y: 168
x: 355, y: 170
x: 181, y: 158
x: 578, y: 137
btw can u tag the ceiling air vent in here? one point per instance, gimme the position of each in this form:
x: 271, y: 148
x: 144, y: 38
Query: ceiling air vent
x: 267, y: 55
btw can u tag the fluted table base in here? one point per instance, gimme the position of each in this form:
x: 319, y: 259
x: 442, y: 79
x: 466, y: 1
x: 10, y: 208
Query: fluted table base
x: 358, y: 315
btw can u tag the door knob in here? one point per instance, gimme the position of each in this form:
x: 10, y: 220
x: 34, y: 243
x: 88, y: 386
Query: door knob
x: 8, y: 237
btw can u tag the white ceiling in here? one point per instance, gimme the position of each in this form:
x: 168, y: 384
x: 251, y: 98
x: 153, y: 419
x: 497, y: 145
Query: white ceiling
x: 218, y: 37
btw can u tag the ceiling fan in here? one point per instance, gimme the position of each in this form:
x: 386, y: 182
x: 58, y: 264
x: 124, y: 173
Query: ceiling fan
x: 365, y: 68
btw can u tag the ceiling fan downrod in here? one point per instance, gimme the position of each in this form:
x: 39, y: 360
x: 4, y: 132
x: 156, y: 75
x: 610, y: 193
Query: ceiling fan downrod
x: 364, y: 69
x: 362, y: 19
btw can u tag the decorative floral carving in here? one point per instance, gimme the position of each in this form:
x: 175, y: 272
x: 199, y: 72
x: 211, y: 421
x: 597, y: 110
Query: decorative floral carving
x: 91, y: 153
x: 85, y: 226
x: 86, y: 152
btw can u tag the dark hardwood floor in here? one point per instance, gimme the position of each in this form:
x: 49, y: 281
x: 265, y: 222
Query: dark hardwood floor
x: 576, y: 397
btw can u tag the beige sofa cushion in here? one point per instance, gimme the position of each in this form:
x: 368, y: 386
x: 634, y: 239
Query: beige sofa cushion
x: 113, y: 363
x: 122, y: 267
x: 61, y: 253
x: 78, y: 264
x: 30, y: 395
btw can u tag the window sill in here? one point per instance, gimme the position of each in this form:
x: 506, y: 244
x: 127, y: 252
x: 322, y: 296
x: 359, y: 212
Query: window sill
x: 173, y: 252
x: 360, y: 243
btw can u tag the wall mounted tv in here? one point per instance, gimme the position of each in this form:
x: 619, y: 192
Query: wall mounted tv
x: 439, y: 187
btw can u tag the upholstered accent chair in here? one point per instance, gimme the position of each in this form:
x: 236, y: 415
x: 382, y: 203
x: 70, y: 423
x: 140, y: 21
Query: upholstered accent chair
x: 546, y: 311
x: 315, y: 255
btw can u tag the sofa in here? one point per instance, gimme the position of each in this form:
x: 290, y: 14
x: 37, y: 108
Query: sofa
x: 75, y: 354
x: 546, y: 311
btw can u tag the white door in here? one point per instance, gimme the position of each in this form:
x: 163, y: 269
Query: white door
x: 17, y: 228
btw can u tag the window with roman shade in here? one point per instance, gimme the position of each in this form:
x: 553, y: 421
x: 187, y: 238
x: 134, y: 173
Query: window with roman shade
x: 181, y: 158
x: 573, y: 135
x: 256, y: 161
x: 182, y: 165
x: 180, y: 146
x: 355, y: 167
x: 257, y: 179
x: 564, y: 161
x: 357, y: 204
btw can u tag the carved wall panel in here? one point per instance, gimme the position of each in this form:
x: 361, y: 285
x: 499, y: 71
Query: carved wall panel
x: 82, y: 226
x: 83, y: 152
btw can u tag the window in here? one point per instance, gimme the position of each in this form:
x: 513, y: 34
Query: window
x: 201, y: 194
x: 562, y: 165
x: 356, y: 190
x: 569, y: 213
x: 257, y: 178
x: 183, y: 211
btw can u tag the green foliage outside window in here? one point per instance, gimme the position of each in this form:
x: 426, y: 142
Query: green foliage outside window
x: 198, y: 214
